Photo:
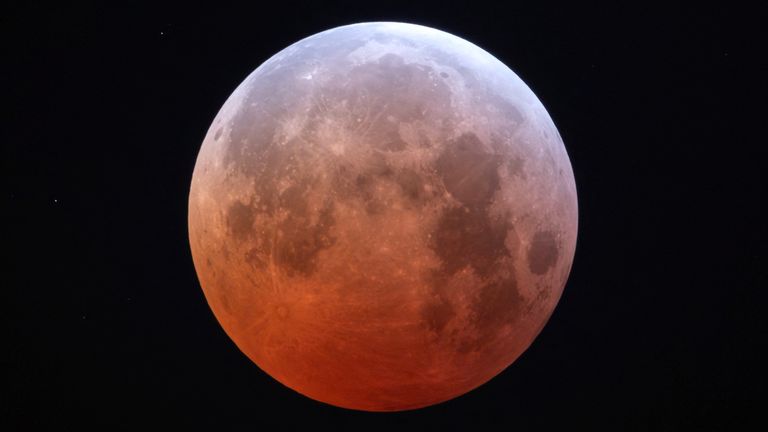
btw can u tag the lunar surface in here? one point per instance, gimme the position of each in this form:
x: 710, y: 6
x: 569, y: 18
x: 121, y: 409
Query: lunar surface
x: 382, y: 216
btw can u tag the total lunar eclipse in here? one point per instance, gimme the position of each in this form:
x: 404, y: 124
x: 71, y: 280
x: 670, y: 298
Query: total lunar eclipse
x: 383, y: 216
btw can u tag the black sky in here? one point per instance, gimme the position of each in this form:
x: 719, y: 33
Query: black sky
x: 661, y: 325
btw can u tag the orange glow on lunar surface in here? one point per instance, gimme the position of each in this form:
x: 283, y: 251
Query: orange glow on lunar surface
x: 382, y: 216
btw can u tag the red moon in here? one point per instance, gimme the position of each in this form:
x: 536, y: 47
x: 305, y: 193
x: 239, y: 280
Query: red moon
x: 383, y: 216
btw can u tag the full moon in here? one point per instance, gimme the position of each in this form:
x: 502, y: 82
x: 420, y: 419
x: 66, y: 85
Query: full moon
x: 382, y: 216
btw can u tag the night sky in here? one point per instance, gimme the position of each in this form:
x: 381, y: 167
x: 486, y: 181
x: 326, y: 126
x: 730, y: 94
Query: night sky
x: 661, y: 325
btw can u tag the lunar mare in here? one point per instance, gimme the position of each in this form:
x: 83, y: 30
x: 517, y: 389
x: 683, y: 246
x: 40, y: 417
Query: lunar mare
x: 382, y: 216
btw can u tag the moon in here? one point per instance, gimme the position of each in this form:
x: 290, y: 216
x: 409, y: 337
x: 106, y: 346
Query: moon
x: 382, y: 216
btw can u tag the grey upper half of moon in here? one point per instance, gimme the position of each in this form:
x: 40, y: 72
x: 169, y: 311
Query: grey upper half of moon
x: 383, y: 184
